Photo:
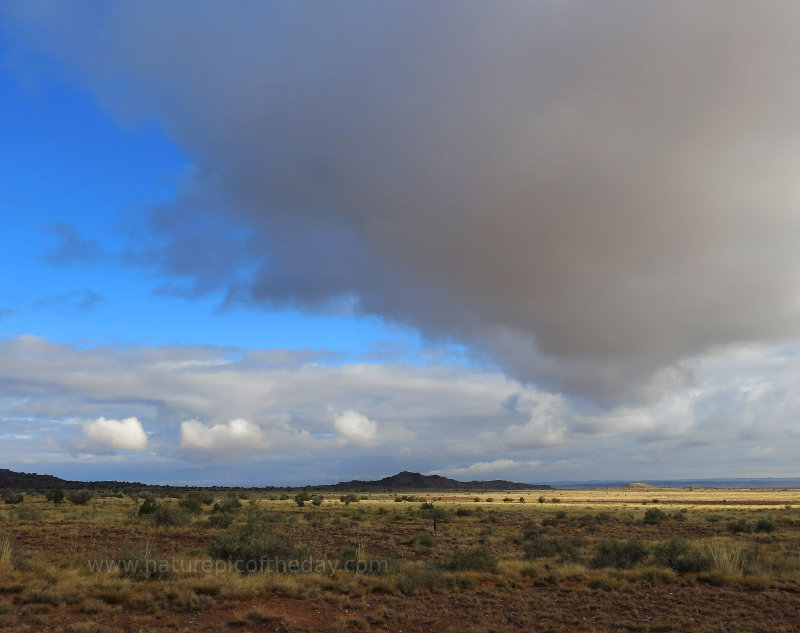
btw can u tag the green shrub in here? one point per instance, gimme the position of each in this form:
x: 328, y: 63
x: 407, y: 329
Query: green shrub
x: 739, y: 525
x: 349, y: 498
x: 192, y: 503
x: 619, y: 554
x: 229, y: 503
x: 168, y: 514
x: 765, y: 525
x: 80, y: 497
x: 416, y: 579
x: 531, y: 529
x: 318, y: 499
x: 349, y: 557
x: 13, y: 498
x: 545, y: 546
x: 220, y: 519
x: 26, y: 513
x: 258, y: 547
x: 654, y: 516
x: 677, y: 554
x: 259, y: 518
x: 301, y: 497
x: 718, y: 578
x: 653, y: 577
x: 56, y: 496
x: 149, y: 506
x: 695, y: 560
x: 603, y: 583
x: 477, y: 559
x: 139, y: 561
x: 425, y: 539
x: 669, y: 552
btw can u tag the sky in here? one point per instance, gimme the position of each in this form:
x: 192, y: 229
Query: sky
x: 290, y: 243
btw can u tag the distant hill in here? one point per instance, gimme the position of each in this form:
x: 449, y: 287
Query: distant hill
x: 405, y: 480
x: 639, y: 486
x: 34, y: 481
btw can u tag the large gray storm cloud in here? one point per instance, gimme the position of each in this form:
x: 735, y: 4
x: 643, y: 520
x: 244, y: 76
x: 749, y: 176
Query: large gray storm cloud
x: 587, y: 193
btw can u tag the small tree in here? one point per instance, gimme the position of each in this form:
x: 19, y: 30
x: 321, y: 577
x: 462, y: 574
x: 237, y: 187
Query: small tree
x: 438, y: 515
x: 301, y: 498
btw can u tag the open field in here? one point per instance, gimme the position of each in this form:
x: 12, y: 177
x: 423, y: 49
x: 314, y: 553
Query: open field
x: 628, y: 559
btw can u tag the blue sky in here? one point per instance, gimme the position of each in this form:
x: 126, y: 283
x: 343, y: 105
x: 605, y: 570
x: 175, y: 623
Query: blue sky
x: 280, y: 245
x: 68, y: 165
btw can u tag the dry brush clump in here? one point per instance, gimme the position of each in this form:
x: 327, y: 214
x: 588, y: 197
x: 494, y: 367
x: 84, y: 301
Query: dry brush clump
x: 11, y: 557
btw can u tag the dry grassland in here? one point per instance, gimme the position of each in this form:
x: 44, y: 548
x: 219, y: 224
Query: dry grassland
x: 630, y: 559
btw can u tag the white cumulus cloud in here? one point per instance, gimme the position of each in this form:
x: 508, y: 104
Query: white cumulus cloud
x: 357, y: 428
x: 497, y: 467
x: 235, y: 436
x: 124, y: 435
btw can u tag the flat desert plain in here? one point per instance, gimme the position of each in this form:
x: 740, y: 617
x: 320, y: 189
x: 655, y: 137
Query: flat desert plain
x: 636, y: 558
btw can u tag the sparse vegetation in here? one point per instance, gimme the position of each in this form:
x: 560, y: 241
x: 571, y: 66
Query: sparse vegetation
x: 593, y: 548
